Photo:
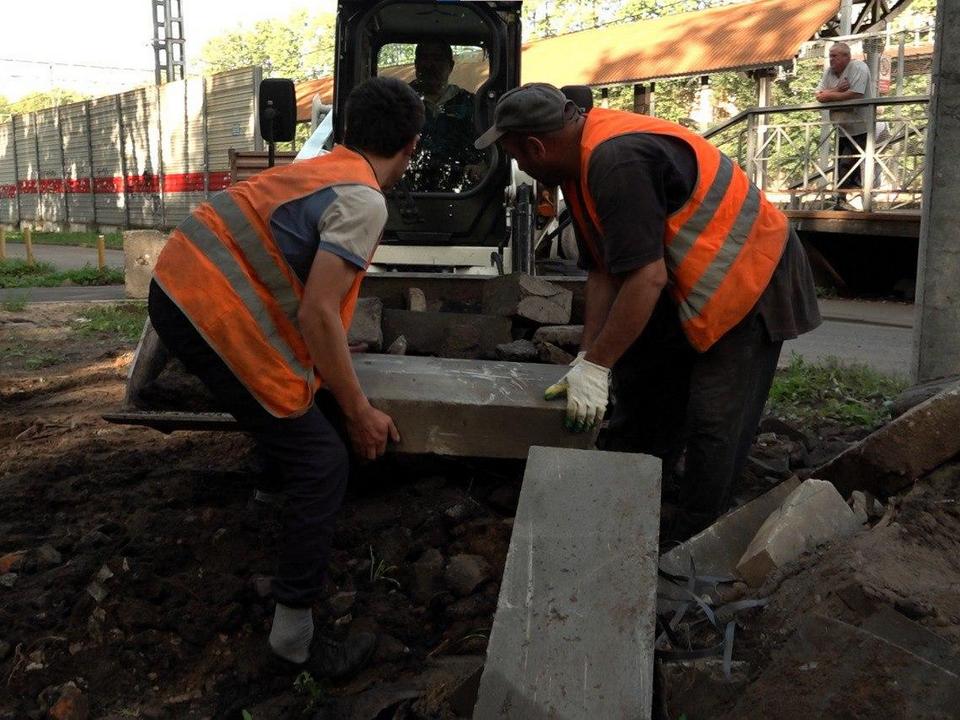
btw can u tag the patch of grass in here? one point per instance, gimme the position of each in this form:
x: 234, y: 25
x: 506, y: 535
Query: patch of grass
x: 36, y: 362
x: 853, y: 395
x: 122, y: 319
x: 16, y: 303
x: 16, y: 273
x: 381, y: 570
x: 112, y: 241
x: 306, y: 684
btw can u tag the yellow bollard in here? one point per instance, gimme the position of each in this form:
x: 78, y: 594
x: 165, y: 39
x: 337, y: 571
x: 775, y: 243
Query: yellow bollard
x: 3, y: 243
x: 28, y: 243
x: 101, y: 253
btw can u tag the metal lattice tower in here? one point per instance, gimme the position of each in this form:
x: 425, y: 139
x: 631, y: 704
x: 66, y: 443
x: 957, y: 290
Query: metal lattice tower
x: 168, y: 40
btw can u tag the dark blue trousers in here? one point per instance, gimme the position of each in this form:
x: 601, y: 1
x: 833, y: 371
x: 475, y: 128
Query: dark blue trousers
x: 306, y: 456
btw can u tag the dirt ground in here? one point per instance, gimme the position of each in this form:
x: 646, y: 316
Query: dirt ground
x: 131, y: 563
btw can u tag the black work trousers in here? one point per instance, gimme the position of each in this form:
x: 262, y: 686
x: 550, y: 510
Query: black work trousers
x: 670, y: 400
x: 306, y: 455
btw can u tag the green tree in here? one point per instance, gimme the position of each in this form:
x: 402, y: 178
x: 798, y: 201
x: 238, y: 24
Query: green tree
x: 298, y: 47
x: 40, y: 100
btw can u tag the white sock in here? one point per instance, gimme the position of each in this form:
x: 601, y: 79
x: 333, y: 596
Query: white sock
x: 291, y: 633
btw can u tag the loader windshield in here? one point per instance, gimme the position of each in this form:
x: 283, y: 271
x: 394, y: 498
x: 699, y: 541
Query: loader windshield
x: 446, y: 77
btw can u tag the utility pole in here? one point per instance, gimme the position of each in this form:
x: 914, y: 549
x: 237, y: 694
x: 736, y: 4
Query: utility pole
x: 936, y: 334
x: 168, y: 40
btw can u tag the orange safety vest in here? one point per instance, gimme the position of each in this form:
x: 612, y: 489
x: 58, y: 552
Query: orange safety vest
x: 222, y: 267
x: 721, y: 247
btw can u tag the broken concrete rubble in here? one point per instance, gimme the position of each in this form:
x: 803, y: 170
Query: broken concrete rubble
x: 398, y: 346
x: 416, y: 300
x: 811, y: 515
x: 550, y: 353
x: 518, y: 351
x: 141, y: 248
x: 574, y: 630
x: 450, y: 335
x: 910, y: 446
x: 567, y: 336
x: 366, y: 326
x: 529, y: 298
x: 717, y: 550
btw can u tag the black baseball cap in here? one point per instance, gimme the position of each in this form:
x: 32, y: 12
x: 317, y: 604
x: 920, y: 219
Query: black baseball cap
x: 532, y: 108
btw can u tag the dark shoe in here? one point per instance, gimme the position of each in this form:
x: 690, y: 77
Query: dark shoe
x: 330, y: 659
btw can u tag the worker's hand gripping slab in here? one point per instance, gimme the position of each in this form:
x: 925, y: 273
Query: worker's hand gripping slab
x: 587, y: 389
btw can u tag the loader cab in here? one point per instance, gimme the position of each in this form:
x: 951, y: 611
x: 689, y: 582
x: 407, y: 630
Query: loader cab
x: 448, y: 210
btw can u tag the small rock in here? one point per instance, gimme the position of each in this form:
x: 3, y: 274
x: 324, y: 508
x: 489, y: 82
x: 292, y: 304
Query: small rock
x: 427, y: 575
x: 858, y: 502
x: 97, y: 591
x: 470, y: 607
x: 341, y: 603
x: 518, y: 351
x: 465, y: 572
x: 5, y: 649
x: 365, y: 329
x: 389, y: 649
x: 416, y: 300
x: 72, y: 704
x: 94, y: 538
x: 550, y: 353
x: 104, y: 574
x: 8, y: 580
x: 398, y: 346
x: 48, y: 556
x: 504, y: 498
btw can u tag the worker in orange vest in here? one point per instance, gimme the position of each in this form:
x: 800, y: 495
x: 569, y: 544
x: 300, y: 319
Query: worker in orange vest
x: 694, y: 281
x: 254, y: 293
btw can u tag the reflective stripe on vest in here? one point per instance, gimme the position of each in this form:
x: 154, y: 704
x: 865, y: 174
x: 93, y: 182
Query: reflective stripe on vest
x: 721, y: 247
x: 224, y: 270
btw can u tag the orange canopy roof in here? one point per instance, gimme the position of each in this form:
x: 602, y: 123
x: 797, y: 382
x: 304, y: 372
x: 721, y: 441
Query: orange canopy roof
x: 736, y: 37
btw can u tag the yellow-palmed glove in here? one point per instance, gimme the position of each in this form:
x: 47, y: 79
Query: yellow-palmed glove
x: 587, y: 389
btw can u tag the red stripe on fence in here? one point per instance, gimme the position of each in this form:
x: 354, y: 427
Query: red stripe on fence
x: 115, y: 184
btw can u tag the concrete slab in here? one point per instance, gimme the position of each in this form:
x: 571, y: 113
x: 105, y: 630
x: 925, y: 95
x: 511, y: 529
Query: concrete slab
x: 813, y: 514
x: 905, y: 449
x: 467, y: 407
x: 717, y: 550
x: 141, y: 248
x: 365, y: 329
x: 527, y: 297
x: 574, y: 630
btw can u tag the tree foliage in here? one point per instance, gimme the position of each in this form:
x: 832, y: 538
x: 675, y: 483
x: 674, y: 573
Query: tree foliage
x: 39, y: 101
x: 298, y: 47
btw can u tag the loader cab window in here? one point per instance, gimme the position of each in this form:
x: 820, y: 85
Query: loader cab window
x: 447, y: 77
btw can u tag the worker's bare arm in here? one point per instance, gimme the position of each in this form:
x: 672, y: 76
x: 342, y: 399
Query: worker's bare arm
x: 825, y: 96
x: 600, y: 291
x: 634, y: 303
x: 329, y: 281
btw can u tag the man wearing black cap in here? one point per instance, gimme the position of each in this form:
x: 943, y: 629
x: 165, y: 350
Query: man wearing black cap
x: 694, y: 282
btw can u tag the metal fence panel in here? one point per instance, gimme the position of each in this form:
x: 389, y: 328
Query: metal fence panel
x: 51, y: 201
x: 8, y: 176
x: 141, y: 148
x: 231, y: 119
x: 108, y: 175
x: 28, y: 178
x: 78, y: 172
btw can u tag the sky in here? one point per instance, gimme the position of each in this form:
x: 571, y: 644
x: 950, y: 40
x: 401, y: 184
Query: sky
x: 112, y: 34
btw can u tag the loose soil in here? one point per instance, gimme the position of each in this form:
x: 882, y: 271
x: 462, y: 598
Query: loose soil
x: 132, y: 562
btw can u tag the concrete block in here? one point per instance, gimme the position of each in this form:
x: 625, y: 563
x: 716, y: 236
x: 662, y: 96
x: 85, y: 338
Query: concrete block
x: 366, y: 328
x: 574, y: 630
x: 902, y: 451
x: 717, y: 550
x: 141, y: 248
x: 416, y: 300
x: 451, y: 335
x: 568, y: 336
x: 466, y: 407
x: 811, y: 515
x: 527, y: 297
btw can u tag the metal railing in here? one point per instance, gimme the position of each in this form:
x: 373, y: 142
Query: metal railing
x: 804, y: 161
